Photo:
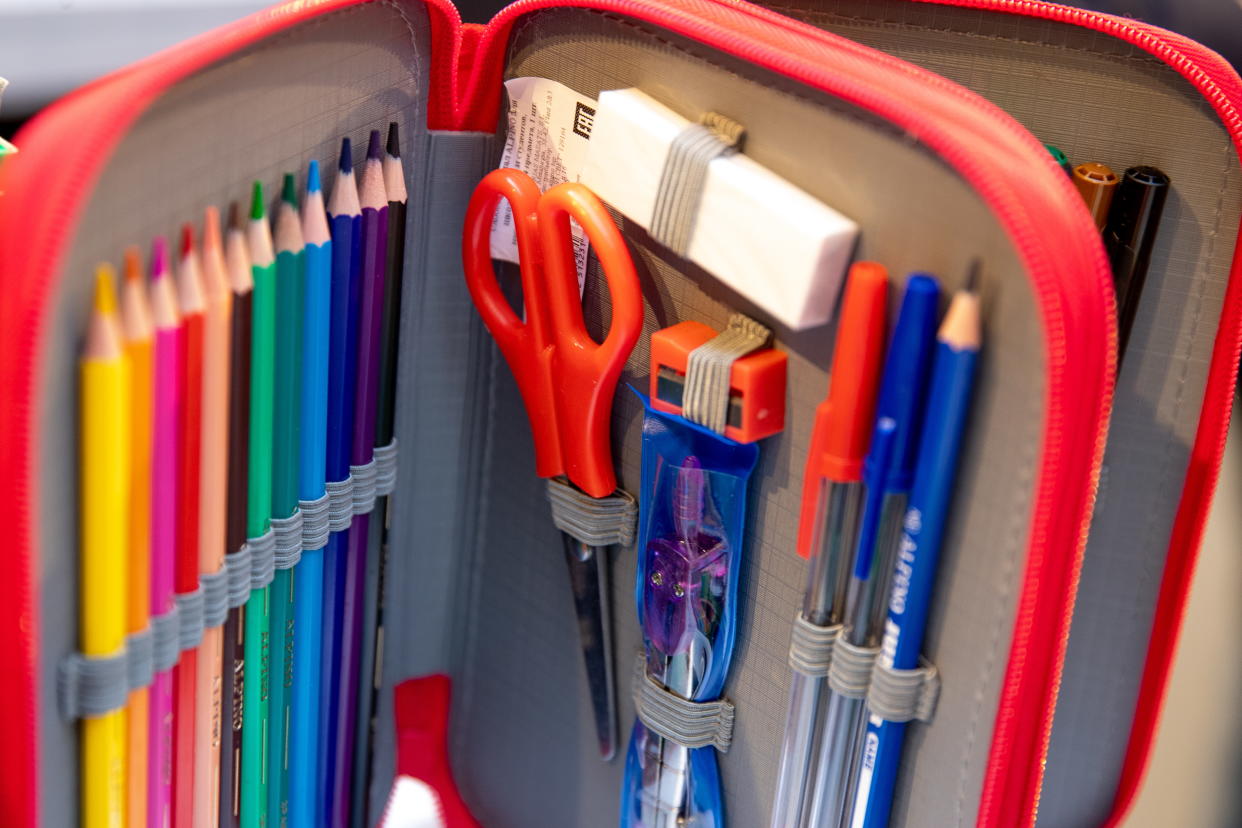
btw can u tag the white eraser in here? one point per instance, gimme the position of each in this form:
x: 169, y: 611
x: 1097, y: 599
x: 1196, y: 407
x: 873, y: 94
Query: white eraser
x: 772, y: 242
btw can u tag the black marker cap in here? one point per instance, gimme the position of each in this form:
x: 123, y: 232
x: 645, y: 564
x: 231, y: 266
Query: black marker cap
x: 1135, y: 214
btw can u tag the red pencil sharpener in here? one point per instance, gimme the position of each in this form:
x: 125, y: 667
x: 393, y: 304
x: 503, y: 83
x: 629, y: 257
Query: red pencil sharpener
x: 756, y: 382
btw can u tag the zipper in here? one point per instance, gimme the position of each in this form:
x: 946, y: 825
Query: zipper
x: 1070, y: 278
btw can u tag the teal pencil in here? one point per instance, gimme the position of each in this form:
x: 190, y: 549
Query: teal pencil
x: 285, y: 466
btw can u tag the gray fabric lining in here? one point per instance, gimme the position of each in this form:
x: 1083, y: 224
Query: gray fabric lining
x: 596, y: 521
x: 386, y: 469
x: 270, y: 108
x: 287, y: 543
x: 262, y: 559
x: 315, y: 526
x: 811, y: 647
x: 1127, y: 108
x: 849, y: 674
x: 166, y: 639
x: 681, y: 721
x: 706, y: 397
x: 190, y: 619
x: 676, y: 208
x: 903, y: 695
x: 340, y: 503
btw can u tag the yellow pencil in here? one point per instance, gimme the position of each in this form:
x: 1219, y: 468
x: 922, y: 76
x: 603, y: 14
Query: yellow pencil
x: 138, y: 330
x: 105, y: 461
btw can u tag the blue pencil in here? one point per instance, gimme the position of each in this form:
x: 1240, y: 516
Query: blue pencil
x: 914, y: 573
x: 345, y: 220
x: 308, y: 609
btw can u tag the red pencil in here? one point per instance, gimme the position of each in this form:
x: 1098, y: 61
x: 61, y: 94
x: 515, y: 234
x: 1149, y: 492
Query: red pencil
x: 185, y: 677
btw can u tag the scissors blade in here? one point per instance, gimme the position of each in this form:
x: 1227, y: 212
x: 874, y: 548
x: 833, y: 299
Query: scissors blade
x: 588, y: 576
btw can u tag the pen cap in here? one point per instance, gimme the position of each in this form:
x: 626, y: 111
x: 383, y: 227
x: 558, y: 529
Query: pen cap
x: 904, y: 380
x: 1135, y: 214
x: 843, y: 421
x: 1096, y: 184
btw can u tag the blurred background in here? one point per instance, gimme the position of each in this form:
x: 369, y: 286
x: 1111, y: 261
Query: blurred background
x: 48, y: 47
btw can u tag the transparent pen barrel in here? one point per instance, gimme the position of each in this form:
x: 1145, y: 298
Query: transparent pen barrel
x: 844, y: 724
x: 802, y: 730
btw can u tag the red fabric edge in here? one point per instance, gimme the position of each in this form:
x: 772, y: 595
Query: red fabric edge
x: 31, y: 248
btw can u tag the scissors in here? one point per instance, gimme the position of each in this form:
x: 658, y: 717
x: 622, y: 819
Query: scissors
x: 566, y: 379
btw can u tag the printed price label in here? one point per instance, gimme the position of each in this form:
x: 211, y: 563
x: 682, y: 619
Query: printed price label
x: 549, y: 129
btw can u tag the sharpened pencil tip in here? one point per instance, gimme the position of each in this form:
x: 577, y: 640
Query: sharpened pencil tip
x: 312, y: 177
x: 394, y: 140
x: 376, y: 148
x: 187, y: 239
x: 289, y: 191
x: 211, y: 228
x: 105, y: 289
x: 235, y: 216
x: 346, y: 164
x: 159, y: 256
x: 972, y: 278
x: 256, y: 202
x: 133, y: 264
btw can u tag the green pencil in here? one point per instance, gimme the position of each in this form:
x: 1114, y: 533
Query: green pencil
x: 258, y: 516
x: 286, y: 451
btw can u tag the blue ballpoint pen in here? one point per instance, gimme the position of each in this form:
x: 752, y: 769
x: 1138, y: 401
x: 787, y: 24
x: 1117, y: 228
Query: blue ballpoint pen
x: 948, y: 405
x: 887, y: 475
x: 308, y: 619
x: 345, y: 219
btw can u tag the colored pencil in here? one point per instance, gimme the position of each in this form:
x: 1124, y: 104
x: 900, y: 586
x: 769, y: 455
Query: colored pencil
x: 105, y: 462
x: 374, y: 251
x: 345, y: 220
x: 164, y: 500
x: 914, y: 574
x: 377, y: 539
x: 139, y: 346
x: 237, y: 259
x: 290, y: 273
x: 213, y: 512
x: 254, y: 770
x: 185, y: 674
x: 308, y: 610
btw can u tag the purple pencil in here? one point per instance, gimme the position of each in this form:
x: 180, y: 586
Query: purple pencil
x: 374, y: 201
x: 164, y: 467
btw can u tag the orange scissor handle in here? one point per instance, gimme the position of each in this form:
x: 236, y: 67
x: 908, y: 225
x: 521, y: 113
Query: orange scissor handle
x: 527, y: 346
x: 585, y: 373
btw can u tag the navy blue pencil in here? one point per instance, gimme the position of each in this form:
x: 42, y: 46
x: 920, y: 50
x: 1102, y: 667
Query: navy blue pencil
x: 345, y: 220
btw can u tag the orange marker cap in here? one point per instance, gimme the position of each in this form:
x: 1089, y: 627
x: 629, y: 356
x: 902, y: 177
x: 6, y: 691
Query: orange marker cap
x: 843, y: 422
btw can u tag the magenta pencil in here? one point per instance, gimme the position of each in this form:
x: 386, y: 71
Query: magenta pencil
x: 164, y: 468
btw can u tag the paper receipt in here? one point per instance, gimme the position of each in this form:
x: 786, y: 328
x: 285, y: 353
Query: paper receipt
x: 549, y: 130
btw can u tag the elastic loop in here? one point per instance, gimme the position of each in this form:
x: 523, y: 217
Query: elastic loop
x: 850, y: 672
x: 687, y: 723
x: 190, y: 630
x: 706, y: 397
x: 595, y: 521
x: 340, y: 503
x: 811, y: 647
x: 288, y: 546
x: 364, y: 487
x: 315, y: 526
x: 386, y: 468
x: 904, y: 695
x: 262, y: 559
x: 215, y: 587
x: 166, y: 639
x: 680, y: 191
x: 238, y: 567
x: 89, y: 686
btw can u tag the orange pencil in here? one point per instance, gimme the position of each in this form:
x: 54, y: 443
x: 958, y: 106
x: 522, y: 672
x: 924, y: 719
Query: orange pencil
x: 138, y: 332
x: 185, y: 577
x: 213, y: 511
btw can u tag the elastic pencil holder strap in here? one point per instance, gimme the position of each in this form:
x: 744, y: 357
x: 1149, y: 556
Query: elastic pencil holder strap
x: 262, y: 559
x: 190, y: 628
x: 595, y: 521
x: 904, y: 695
x: 680, y: 191
x: 166, y: 639
x: 364, y: 487
x: 811, y: 647
x: 386, y: 469
x: 340, y: 503
x: 288, y: 540
x: 215, y: 589
x: 849, y: 675
x: 687, y: 723
x: 90, y: 686
x: 315, y: 526
x: 140, y: 662
x: 238, y: 566
x: 706, y: 397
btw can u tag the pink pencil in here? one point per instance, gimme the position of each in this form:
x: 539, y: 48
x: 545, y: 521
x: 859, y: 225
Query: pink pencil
x: 167, y: 435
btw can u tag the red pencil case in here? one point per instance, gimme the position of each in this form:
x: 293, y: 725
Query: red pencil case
x: 935, y: 176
